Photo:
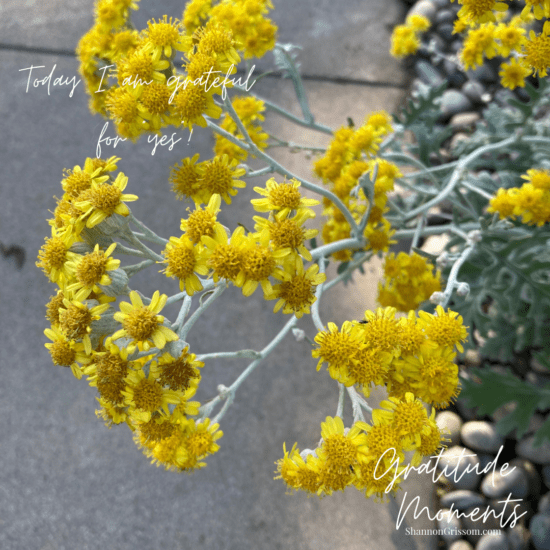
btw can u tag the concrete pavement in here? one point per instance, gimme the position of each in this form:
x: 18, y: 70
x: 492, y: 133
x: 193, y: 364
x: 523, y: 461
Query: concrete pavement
x: 68, y: 483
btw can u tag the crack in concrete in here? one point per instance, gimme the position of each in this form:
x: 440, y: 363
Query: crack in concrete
x: 274, y: 74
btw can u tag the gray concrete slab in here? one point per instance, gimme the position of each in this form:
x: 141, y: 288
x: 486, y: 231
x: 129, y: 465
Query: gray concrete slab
x: 66, y: 481
x: 348, y: 39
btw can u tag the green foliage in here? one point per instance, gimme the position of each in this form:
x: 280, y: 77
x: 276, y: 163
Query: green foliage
x: 509, y: 300
x: 495, y: 390
x: 420, y: 116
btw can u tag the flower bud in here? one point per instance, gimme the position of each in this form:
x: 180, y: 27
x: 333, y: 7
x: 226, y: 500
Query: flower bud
x: 299, y: 334
x: 437, y: 298
x: 442, y: 260
x: 474, y: 236
x: 463, y: 289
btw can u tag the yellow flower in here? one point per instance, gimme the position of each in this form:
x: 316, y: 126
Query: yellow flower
x: 219, y: 177
x: 504, y: 202
x: 371, y: 367
x: 66, y: 352
x: 382, y: 330
x: 142, y: 66
x: 201, y: 438
x: 164, y: 36
x: 107, y: 372
x: 480, y: 11
x: 536, y: 51
x: 296, y: 292
x: 55, y: 255
x: 407, y: 416
x: 404, y: 41
x: 540, y: 179
x: 259, y: 262
x: 184, y: 260
x: 76, y: 319
x: 144, y: 395
x: 203, y: 222
x: 513, y: 74
x: 540, y: 9
x: 339, y: 349
x: 226, y: 257
x: 297, y: 472
x: 192, y: 103
x: 418, y: 22
x: 281, y: 198
x: 184, y: 179
x: 339, y: 452
x: 533, y: 204
x: 434, y: 375
x: 430, y: 443
x: 103, y: 200
x: 92, y: 270
x: 511, y: 38
x: 195, y: 14
x: 444, y: 328
x: 142, y: 324
x: 287, y: 232
x: 178, y: 374
x: 78, y: 179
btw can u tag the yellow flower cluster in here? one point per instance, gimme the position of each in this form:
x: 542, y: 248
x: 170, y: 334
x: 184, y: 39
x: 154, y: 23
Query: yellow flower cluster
x: 246, y: 19
x: 250, y: 110
x: 350, y: 155
x: 408, y: 281
x: 149, y: 93
x: 490, y: 32
x: 413, y: 358
x: 489, y: 35
x: 531, y: 201
x: 275, y: 249
x: 405, y: 39
x: 218, y: 176
x: 151, y: 396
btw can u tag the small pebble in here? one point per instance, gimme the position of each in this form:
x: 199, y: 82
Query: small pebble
x: 425, y: 8
x: 441, y: 3
x: 461, y: 545
x: 451, y: 422
x: 464, y: 121
x: 544, y: 504
x: 546, y: 476
x: 481, y: 436
x: 538, y: 455
x: 540, y: 531
x: 449, y: 525
x: 461, y: 500
x: 532, y: 475
x: 428, y: 74
x: 456, y: 46
x: 485, y: 74
x: 444, y: 16
x: 537, y: 366
x: 500, y: 485
x: 462, y: 467
x: 471, y: 357
x: 473, y: 91
x: 445, y: 31
x: 519, y: 537
x: 437, y: 43
x: 453, y: 102
x: 493, y: 542
x: 455, y: 140
x: 455, y: 76
x: 477, y: 525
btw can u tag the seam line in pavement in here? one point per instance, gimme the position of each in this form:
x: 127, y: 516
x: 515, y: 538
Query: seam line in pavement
x: 275, y: 74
